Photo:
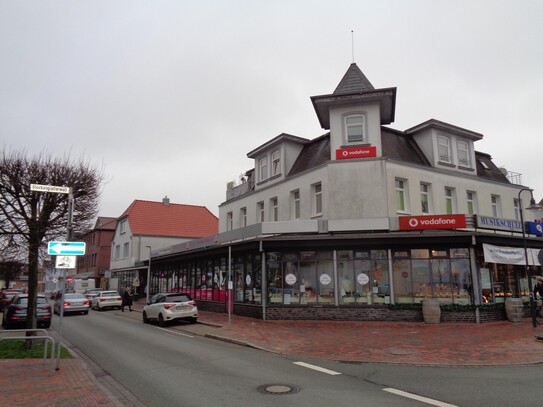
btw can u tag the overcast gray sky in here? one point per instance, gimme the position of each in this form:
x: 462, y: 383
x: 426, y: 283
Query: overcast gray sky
x: 169, y: 96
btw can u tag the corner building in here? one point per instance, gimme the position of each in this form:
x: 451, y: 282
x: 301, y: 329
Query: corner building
x: 363, y: 223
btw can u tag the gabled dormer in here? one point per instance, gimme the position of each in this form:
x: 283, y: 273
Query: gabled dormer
x: 355, y: 112
x: 446, y: 146
x: 274, y: 159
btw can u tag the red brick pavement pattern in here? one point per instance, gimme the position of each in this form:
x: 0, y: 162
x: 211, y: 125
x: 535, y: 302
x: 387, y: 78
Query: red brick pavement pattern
x: 31, y: 383
x: 496, y: 343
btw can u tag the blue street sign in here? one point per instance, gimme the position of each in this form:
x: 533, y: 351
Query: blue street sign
x: 534, y: 228
x: 66, y: 248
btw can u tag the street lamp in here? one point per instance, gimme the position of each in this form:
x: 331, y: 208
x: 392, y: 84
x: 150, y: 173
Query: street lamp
x: 533, y: 207
x: 148, y: 277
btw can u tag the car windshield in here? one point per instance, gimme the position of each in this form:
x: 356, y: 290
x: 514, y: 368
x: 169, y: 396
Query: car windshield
x: 177, y: 298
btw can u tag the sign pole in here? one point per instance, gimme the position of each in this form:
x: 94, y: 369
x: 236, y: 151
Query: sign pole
x: 63, y: 278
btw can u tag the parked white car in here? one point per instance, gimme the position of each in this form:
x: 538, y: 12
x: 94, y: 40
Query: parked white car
x: 106, y: 299
x: 167, y: 307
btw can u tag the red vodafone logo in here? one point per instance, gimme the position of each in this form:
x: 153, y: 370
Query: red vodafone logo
x: 432, y: 222
x: 356, y: 152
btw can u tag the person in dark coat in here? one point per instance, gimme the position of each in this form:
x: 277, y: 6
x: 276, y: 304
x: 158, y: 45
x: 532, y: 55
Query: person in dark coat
x: 127, y: 299
x: 538, y: 295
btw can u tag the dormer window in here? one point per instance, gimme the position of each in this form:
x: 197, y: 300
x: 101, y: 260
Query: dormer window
x: 263, y: 165
x: 444, y: 149
x: 354, y: 128
x: 462, y: 149
x: 276, y: 163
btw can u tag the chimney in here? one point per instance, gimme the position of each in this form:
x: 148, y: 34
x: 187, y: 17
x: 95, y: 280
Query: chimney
x: 166, y: 201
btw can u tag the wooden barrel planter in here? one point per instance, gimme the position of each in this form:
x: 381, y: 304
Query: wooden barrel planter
x: 431, y: 311
x: 514, y: 309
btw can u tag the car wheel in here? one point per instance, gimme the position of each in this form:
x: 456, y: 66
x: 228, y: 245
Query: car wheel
x: 161, y: 321
x: 85, y: 312
x: 193, y: 320
x: 145, y: 319
x: 47, y: 325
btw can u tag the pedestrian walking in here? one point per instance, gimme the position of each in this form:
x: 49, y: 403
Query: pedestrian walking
x: 538, y: 296
x: 127, y: 299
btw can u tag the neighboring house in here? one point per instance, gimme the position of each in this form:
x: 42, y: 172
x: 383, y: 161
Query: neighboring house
x: 363, y: 217
x: 150, y: 226
x: 96, y: 261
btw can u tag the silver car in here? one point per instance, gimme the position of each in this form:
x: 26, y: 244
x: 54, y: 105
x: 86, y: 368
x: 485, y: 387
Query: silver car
x: 73, y: 303
x: 106, y: 299
x: 167, y: 307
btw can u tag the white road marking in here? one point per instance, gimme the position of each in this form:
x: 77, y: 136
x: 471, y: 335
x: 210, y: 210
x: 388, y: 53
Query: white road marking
x: 419, y: 398
x: 175, y: 332
x: 317, y: 368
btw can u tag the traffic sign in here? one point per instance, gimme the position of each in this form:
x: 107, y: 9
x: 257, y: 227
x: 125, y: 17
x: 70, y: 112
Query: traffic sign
x: 65, y: 262
x: 49, y: 188
x: 66, y: 248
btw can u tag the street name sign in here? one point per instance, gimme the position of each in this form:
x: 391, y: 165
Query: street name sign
x: 49, y: 188
x: 66, y: 248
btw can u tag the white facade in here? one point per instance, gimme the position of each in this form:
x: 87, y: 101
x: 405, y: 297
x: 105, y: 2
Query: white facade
x: 371, y: 187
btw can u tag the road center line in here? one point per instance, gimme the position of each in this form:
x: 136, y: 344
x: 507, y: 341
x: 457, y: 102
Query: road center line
x: 419, y: 398
x: 317, y: 368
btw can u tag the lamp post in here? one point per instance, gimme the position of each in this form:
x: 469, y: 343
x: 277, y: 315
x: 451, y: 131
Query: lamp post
x: 533, y: 206
x: 148, y: 277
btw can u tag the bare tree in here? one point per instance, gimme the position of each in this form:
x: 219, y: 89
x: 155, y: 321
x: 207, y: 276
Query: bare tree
x: 29, y: 219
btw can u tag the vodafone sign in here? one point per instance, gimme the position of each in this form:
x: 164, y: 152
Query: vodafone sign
x: 356, y: 152
x: 432, y: 222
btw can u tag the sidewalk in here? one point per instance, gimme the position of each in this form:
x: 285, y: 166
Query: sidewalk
x: 30, y: 383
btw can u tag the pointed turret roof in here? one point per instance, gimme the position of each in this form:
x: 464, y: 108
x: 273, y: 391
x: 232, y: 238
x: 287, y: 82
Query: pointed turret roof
x: 355, y: 89
x: 353, y: 81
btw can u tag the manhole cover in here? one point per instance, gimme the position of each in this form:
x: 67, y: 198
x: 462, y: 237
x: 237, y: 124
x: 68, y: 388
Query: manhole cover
x: 278, y: 389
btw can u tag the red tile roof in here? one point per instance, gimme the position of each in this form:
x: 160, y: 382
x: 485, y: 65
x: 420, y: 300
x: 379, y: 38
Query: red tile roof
x: 175, y: 220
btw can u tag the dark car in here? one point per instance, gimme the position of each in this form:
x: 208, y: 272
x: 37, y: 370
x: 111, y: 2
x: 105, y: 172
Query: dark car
x: 15, y: 312
x: 5, y: 298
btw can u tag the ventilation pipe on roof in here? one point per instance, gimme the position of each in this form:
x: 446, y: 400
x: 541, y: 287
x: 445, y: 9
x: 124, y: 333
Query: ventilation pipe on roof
x: 166, y: 200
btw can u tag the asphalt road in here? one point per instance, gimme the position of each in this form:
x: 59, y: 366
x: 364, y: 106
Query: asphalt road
x: 174, y: 367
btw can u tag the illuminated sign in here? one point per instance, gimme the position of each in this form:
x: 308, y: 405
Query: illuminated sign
x: 534, y: 228
x: 355, y: 152
x: 432, y: 222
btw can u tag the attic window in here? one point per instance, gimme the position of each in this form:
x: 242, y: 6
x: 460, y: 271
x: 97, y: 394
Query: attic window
x: 485, y: 165
x: 444, y: 149
x: 354, y: 128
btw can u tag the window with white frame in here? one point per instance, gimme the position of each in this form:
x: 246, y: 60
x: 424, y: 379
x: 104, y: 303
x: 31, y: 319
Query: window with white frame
x: 263, y: 167
x: 274, y: 209
x: 355, y: 128
x: 317, y: 199
x: 243, y: 217
x: 260, y: 212
x: 276, y: 163
x: 122, y: 226
x: 450, y: 204
x: 496, y: 206
x: 295, y: 204
x: 117, y: 252
x: 462, y: 150
x: 125, y: 250
x: 425, y: 198
x: 444, y: 149
x: 401, y: 195
x: 229, y: 221
x: 471, y: 198
x: 516, y: 208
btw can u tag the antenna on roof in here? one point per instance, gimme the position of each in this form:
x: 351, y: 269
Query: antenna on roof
x: 352, y: 44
